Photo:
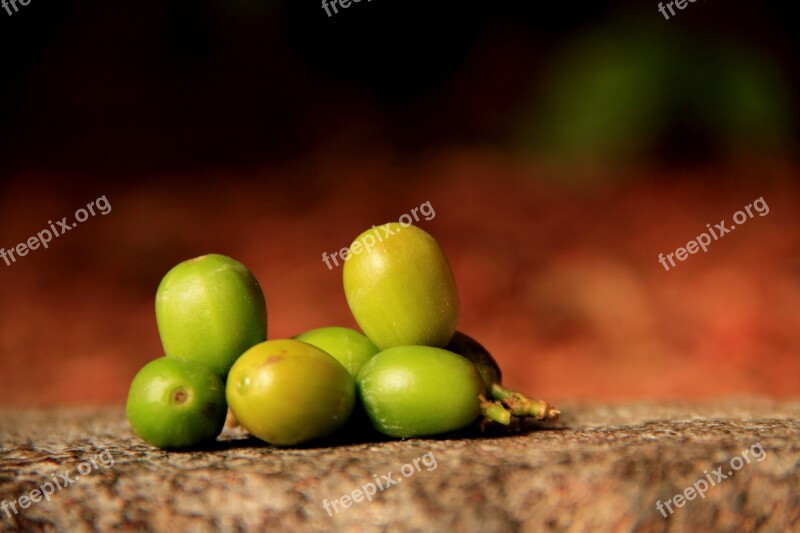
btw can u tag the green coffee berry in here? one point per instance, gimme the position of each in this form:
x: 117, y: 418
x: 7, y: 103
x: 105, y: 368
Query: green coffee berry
x: 411, y: 391
x: 401, y: 289
x: 287, y: 392
x: 210, y: 309
x: 174, y: 403
x: 351, y: 348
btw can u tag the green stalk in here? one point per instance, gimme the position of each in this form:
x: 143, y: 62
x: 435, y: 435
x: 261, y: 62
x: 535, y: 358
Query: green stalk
x: 494, y: 412
x: 520, y: 405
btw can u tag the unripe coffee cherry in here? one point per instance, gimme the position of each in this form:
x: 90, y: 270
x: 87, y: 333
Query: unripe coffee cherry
x: 400, y: 288
x: 173, y: 403
x: 346, y: 345
x: 287, y: 392
x: 412, y: 391
x: 211, y: 310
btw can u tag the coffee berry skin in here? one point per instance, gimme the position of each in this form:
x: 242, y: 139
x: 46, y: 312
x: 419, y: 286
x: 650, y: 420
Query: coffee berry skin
x: 467, y: 347
x: 346, y: 345
x: 401, y: 290
x: 210, y: 309
x: 414, y: 391
x: 175, y: 403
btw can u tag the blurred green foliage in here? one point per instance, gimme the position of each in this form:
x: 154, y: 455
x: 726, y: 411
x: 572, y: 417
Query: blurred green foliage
x: 632, y: 91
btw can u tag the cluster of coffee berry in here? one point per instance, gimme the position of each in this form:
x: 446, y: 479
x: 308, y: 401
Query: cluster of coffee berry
x: 411, y: 372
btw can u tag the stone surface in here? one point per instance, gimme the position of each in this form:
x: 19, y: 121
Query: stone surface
x: 600, y: 468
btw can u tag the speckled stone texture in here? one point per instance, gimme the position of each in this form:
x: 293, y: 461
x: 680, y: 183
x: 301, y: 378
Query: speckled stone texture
x: 600, y: 468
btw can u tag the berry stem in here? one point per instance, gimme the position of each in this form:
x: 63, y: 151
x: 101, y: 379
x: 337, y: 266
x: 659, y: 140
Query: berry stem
x: 494, y: 411
x: 520, y: 405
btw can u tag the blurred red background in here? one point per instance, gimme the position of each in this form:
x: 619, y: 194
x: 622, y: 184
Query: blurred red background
x: 562, y: 153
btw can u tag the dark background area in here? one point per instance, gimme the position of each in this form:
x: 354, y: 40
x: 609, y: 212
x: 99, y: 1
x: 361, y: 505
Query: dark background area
x: 187, y: 85
x: 563, y: 146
